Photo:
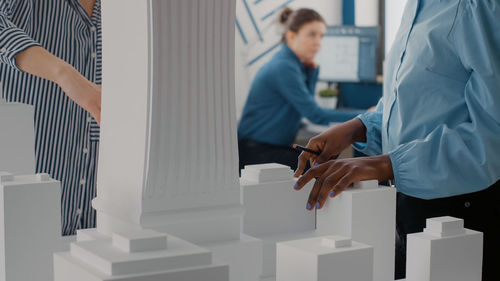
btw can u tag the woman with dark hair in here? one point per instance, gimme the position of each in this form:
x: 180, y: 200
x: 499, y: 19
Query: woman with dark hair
x: 282, y: 93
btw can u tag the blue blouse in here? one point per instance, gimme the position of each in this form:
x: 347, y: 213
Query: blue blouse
x: 281, y: 94
x: 439, y: 118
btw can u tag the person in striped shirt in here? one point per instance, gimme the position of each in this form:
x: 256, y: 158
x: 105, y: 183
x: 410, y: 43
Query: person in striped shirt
x: 50, y: 57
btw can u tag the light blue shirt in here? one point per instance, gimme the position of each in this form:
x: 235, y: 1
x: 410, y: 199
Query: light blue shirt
x: 439, y: 118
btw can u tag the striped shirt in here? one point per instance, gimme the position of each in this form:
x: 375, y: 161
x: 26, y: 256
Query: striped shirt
x: 66, y: 136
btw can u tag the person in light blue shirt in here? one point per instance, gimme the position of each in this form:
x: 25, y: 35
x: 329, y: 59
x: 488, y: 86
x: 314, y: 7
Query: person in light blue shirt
x: 282, y: 93
x: 436, y: 131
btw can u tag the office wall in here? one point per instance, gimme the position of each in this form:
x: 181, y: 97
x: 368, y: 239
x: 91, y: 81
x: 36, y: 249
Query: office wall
x: 258, y: 35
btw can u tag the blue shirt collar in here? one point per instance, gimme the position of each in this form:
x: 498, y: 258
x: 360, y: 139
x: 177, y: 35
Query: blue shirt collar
x: 286, y: 51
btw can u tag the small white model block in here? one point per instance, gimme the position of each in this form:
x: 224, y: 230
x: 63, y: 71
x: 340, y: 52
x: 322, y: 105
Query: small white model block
x: 271, y: 172
x: 17, y: 139
x: 445, y: 251
x: 336, y: 241
x: 30, y: 226
x: 271, y: 204
x: 365, y: 185
x: 101, y: 260
x: 444, y: 226
x: 269, y: 249
x: 89, y: 235
x: 243, y: 256
x: 140, y: 241
x: 367, y: 213
x: 329, y: 258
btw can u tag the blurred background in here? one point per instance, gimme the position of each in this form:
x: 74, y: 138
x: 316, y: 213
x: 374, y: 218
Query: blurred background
x: 258, y: 35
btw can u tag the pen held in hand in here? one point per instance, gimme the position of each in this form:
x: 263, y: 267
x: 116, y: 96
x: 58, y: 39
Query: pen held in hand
x: 301, y: 148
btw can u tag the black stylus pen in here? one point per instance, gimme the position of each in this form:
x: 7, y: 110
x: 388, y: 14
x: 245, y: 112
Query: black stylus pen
x: 301, y: 148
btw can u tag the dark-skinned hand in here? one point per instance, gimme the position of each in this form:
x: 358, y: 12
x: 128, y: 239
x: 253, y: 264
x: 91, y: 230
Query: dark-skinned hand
x: 331, y: 143
x: 335, y: 176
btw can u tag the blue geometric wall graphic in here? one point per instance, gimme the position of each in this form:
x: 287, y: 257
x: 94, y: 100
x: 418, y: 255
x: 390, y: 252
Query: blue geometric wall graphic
x: 257, y: 26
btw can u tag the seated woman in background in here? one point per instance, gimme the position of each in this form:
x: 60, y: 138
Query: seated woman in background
x: 282, y: 93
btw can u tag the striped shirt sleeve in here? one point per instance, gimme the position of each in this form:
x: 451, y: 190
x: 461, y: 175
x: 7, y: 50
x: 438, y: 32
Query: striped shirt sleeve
x: 13, y: 40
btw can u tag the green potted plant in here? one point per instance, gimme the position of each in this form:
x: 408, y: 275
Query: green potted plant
x: 328, y: 98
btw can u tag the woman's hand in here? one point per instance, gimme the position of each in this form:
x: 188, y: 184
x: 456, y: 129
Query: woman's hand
x: 331, y: 143
x: 83, y: 92
x: 335, y: 176
x: 39, y: 62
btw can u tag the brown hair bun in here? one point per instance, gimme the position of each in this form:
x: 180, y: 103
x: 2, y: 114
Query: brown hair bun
x: 285, y: 15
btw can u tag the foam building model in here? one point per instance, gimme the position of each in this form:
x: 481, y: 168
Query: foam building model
x: 30, y: 216
x: 366, y: 213
x: 274, y: 211
x: 324, y: 259
x: 30, y: 230
x: 444, y: 251
x: 168, y: 149
x: 17, y: 149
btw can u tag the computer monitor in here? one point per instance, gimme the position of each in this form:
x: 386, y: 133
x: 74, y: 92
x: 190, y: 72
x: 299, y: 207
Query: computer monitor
x: 348, y: 54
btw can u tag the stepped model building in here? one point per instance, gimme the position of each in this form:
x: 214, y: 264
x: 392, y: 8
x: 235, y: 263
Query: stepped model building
x: 324, y: 259
x: 444, y: 251
x: 168, y: 149
x: 366, y: 213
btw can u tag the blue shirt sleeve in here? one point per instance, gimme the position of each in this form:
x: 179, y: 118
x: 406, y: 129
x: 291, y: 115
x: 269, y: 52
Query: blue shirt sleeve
x: 373, y: 123
x: 299, y: 92
x: 465, y: 158
x: 13, y: 40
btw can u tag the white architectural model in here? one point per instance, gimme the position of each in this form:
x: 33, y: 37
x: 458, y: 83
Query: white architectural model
x: 445, y: 251
x: 30, y: 216
x: 168, y: 158
x: 330, y: 258
x: 168, y: 142
x: 17, y: 141
x: 30, y: 231
x: 274, y: 211
x: 367, y: 214
x: 137, y: 255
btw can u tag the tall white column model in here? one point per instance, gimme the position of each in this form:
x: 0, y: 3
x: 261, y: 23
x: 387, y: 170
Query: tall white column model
x: 444, y: 251
x: 367, y: 214
x: 168, y: 154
